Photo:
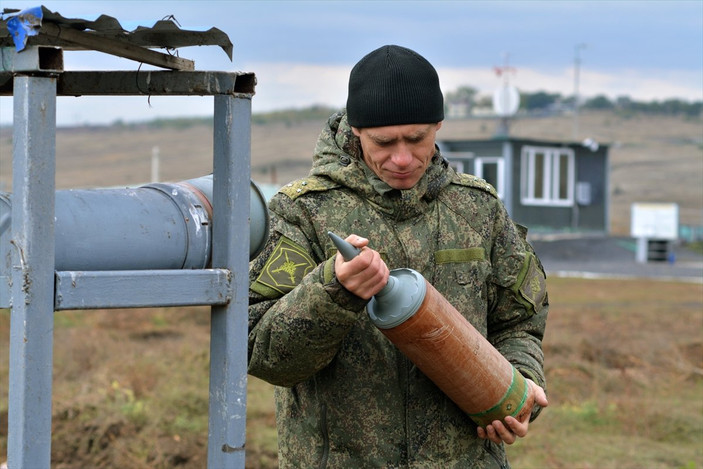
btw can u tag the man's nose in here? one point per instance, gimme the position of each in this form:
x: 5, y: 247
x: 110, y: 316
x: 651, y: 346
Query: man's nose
x: 402, y: 156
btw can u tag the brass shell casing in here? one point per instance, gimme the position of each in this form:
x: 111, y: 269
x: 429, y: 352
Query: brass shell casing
x: 460, y: 361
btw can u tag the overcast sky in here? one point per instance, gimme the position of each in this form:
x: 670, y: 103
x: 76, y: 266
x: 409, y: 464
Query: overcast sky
x: 302, y: 51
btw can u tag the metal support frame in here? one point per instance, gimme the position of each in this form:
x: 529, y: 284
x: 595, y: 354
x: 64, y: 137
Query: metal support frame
x: 32, y: 276
x: 229, y: 323
x: 37, y: 291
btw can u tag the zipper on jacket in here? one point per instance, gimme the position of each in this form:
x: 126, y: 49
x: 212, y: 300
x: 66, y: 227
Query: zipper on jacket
x: 325, y: 437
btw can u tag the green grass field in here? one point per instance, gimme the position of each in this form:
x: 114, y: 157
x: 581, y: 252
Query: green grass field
x: 624, y: 361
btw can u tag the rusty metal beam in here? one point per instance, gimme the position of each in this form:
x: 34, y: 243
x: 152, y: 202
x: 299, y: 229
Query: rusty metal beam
x: 115, y: 47
x: 153, y: 83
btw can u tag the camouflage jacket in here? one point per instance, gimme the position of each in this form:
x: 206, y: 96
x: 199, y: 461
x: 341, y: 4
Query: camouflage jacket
x: 345, y: 396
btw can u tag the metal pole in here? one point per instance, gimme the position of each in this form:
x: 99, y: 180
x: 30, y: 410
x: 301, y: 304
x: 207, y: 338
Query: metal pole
x: 228, y: 337
x: 155, y: 160
x: 577, y: 65
x: 32, y: 238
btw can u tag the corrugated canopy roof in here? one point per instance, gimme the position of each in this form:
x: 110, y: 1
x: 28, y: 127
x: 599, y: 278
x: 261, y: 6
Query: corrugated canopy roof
x: 39, y: 26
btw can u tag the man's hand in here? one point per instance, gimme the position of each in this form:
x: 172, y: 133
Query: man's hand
x: 512, y: 429
x: 366, y: 274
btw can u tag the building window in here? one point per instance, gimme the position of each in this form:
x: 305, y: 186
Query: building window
x: 491, y: 169
x: 458, y: 160
x: 457, y: 165
x: 548, y: 176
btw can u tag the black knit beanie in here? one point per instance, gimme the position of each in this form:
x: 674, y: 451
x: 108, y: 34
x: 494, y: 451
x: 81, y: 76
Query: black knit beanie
x: 394, y: 86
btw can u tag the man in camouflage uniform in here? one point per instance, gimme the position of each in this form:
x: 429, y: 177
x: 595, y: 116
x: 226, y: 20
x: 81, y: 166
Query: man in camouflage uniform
x: 345, y: 396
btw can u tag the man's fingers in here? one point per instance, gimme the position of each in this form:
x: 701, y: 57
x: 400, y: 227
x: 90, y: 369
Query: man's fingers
x: 504, y: 433
x: 516, y: 427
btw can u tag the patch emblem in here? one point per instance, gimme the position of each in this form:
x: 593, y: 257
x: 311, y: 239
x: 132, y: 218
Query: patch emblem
x: 534, y: 286
x: 286, y: 267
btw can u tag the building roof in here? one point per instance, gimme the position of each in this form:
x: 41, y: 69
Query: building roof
x: 588, y: 143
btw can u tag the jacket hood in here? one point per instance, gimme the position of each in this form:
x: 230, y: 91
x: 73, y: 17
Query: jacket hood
x: 338, y: 157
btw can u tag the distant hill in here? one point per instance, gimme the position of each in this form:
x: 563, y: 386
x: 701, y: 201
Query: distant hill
x: 653, y: 158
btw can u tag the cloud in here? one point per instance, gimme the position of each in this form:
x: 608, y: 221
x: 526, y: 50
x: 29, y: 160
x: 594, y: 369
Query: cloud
x: 644, y: 85
x: 297, y: 85
x: 291, y: 85
x: 640, y: 85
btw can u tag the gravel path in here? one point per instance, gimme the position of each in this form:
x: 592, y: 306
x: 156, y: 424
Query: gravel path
x: 602, y: 256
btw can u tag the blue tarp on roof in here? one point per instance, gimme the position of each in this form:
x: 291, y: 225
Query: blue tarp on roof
x: 26, y: 23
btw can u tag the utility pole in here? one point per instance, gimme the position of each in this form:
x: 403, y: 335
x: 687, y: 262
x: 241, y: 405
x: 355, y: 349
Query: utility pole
x: 577, y: 65
x: 155, y: 160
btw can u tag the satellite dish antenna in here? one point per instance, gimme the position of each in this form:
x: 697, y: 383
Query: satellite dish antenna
x: 506, y: 101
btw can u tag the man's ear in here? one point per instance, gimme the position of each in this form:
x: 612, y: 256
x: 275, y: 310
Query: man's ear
x: 356, y: 131
x: 439, y: 125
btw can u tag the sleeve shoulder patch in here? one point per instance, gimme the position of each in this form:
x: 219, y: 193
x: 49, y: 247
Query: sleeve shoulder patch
x: 532, y: 286
x: 469, y: 180
x: 284, y: 269
x: 310, y: 184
